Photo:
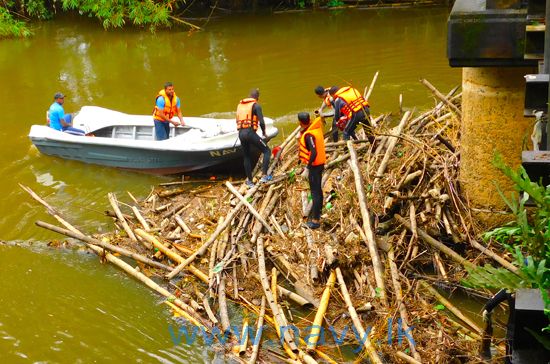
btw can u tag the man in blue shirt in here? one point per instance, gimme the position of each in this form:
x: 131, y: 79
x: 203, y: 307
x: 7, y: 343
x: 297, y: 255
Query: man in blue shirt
x: 167, y: 104
x: 58, y: 120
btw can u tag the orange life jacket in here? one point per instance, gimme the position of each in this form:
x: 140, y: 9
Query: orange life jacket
x: 316, y: 130
x: 245, y: 119
x: 353, y: 99
x: 170, y: 106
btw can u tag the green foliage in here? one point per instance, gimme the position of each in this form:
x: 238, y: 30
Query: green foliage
x: 114, y: 14
x: 334, y: 3
x: 527, y: 238
x: 37, y: 9
x: 9, y: 27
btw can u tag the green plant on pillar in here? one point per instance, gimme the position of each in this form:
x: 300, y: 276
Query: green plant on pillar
x: 527, y: 238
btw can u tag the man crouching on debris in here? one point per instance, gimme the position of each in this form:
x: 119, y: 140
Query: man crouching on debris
x: 312, y: 154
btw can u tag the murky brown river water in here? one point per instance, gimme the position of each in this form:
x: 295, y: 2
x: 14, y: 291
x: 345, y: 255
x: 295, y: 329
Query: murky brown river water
x: 58, y: 306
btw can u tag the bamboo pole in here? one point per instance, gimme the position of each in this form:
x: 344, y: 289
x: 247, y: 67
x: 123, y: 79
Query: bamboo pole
x: 172, y: 254
x: 371, y: 242
x: 249, y: 206
x: 140, y: 218
x: 222, y: 304
x: 451, y: 307
x: 436, y: 244
x: 148, y: 282
x: 441, y: 97
x: 400, y: 303
x: 408, y: 359
x: 52, y: 211
x: 183, y: 225
x: 320, y: 315
x: 296, y: 298
x: 371, y: 351
x: 391, y: 144
x: 244, y: 342
x: 368, y: 92
x: 269, y: 296
x: 114, y: 203
x: 259, y: 330
x: 120, y: 263
x: 212, y: 237
x: 113, y: 248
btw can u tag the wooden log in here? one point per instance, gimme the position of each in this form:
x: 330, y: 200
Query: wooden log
x: 185, y: 314
x: 451, y: 307
x: 244, y: 341
x: 140, y: 218
x: 441, y: 97
x: 367, y: 93
x: 222, y: 304
x: 313, y: 271
x: 296, y: 298
x: 320, y: 315
x: 120, y: 263
x: 259, y: 330
x: 249, y: 206
x: 277, y: 226
x: 371, y: 242
x: 331, y: 255
x: 208, y: 310
x: 436, y: 244
x: 274, y: 285
x: 391, y: 144
x: 181, y: 223
x: 288, y: 338
x: 110, y: 247
x: 405, y: 357
x: 412, y: 217
x: 212, y: 237
x: 52, y: 211
x: 149, y: 283
x: 172, y: 254
x: 401, y: 304
x: 440, y: 266
x: 371, y: 351
x: 121, y: 219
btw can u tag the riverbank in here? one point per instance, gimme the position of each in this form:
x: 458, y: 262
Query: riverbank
x: 16, y: 18
x: 393, y: 213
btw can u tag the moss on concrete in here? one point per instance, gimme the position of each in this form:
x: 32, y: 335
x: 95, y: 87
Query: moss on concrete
x: 492, y: 120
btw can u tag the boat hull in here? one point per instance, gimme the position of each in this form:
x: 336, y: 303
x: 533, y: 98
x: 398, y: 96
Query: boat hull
x: 128, y: 142
x: 228, y: 160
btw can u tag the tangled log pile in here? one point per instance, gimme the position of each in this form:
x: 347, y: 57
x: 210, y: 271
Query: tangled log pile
x: 393, y: 213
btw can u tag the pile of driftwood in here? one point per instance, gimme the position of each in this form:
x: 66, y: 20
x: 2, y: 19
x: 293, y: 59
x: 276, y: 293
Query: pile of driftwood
x: 394, y: 223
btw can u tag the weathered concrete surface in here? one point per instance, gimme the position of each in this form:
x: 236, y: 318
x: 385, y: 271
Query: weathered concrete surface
x: 492, y: 120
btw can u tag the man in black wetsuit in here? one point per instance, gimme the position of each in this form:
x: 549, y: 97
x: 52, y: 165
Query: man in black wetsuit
x: 249, y: 117
x: 350, y: 105
x: 312, y: 154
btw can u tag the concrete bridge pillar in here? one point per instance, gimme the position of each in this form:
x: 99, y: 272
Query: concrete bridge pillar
x: 492, y: 120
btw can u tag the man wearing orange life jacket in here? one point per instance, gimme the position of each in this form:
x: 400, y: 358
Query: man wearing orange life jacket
x: 167, y: 105
x: 350, y: 104
x: 312, y: 154
x: 249, y: 117
x: 328, y: 102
